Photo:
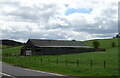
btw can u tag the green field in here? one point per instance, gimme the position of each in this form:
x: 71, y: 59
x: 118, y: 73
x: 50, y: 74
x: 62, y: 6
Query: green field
x: 12, y: 50
x: 49, y: 63
x: 3, y: 46
x: 104, y: 43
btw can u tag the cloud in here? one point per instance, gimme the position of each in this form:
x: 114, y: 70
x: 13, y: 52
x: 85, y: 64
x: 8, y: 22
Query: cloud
x: 59, y: 19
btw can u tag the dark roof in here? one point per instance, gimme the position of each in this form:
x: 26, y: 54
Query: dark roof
x: 56, y: 43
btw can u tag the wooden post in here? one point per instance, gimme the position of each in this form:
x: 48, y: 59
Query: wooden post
x: 48, y: 60
x: 29, y: 59
x: 77, y: 63
x: 104, y: 64
x: 66, y: 61
x: 41, y: 60
x: 56, y: 61
x: 91, y: 63
x: 36, y: 59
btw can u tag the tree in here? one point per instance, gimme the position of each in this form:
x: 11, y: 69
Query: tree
x: 113, y: 44
x: 118, y: 35
x: 73, y: 40
x: 96, y: 44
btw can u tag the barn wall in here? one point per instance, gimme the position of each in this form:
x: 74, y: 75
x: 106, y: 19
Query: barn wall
x: 56, y: 51
x: 27, y: 46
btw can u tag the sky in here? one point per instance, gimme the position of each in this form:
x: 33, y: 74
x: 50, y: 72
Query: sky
x: 80, y: 20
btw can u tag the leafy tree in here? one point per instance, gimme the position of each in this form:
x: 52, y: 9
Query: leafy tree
x: 118, y: 35
x: 73, y: 40
x: 96, y: 44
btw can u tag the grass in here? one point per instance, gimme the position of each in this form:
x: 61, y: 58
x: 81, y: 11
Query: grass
x: 104, y: 43
x: 11, y: 50
x: 84, y: 67
x: 3, y: 46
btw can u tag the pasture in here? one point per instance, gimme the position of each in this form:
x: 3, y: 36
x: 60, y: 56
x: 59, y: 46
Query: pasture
x: 104, y: 63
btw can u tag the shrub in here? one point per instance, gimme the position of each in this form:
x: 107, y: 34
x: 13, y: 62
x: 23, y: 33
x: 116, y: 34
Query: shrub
x: 113, y: 44
x: 96, y: 44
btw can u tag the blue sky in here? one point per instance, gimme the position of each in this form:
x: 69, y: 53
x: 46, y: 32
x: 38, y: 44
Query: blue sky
x: 78, y: 10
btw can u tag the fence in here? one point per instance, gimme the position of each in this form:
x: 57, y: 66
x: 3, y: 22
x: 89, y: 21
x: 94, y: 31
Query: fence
x: 66, y: 62
x: 10, y: 54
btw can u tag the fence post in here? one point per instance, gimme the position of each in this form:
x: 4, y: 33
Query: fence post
x: 41, y: 60
x: 104, y: 64
x: 91, y: 63
x: 36, y: 59
x: 48, y: 60
x: 29, y: 59
x: 77, y: 63
x: 66, y: 62
x: 56, y: 61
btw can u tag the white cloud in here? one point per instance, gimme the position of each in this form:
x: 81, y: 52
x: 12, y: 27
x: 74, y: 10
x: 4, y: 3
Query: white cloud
x: 46, y: 19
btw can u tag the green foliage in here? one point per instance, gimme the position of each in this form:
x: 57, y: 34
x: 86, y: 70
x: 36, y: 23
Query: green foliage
x: 113, y: 44
x: 117, y: 36
x: 96, y: 44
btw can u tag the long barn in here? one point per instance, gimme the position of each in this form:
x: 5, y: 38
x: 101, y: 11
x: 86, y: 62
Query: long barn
x: 53, y: 47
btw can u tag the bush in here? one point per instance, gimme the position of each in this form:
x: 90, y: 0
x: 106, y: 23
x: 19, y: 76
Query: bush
x: 113, y: 44
x: 96, y: 44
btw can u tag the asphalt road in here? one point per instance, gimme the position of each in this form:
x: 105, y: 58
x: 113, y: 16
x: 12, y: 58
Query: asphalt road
x: 16, y: 72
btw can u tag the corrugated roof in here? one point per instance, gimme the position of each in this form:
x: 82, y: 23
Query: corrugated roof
x: 68, y: 46
x: 56, y: 43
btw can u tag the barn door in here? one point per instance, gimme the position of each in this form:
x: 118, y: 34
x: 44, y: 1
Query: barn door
x: 28, y: 52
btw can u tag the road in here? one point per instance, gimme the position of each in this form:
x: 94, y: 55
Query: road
x: 18, y: 72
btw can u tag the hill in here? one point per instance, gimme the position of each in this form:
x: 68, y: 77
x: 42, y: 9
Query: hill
x: 104, y: 43
x: 57, y: 63
x: 9, y: 43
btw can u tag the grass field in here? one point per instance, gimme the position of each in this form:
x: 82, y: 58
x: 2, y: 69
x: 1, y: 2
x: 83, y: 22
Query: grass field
x: 104, y: 43
x: 49, y: 62
x: 3, y: 46
x: 12, y: 50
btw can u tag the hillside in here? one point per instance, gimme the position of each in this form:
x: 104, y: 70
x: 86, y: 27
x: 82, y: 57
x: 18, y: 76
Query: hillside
x: 49, y: 63
x: 9, y: 43
x: 104, y: 43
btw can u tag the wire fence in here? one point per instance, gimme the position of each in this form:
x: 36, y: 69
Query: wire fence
x: 66, y: 62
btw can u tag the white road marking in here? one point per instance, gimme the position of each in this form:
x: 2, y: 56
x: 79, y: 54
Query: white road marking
x: 43, y: 72
x: 7, y: 75
x: 35, y: 71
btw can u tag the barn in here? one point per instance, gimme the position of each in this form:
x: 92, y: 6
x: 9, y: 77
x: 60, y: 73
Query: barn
x: 53, y: 47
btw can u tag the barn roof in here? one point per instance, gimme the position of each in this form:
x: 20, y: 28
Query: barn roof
x: 56, y: 43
